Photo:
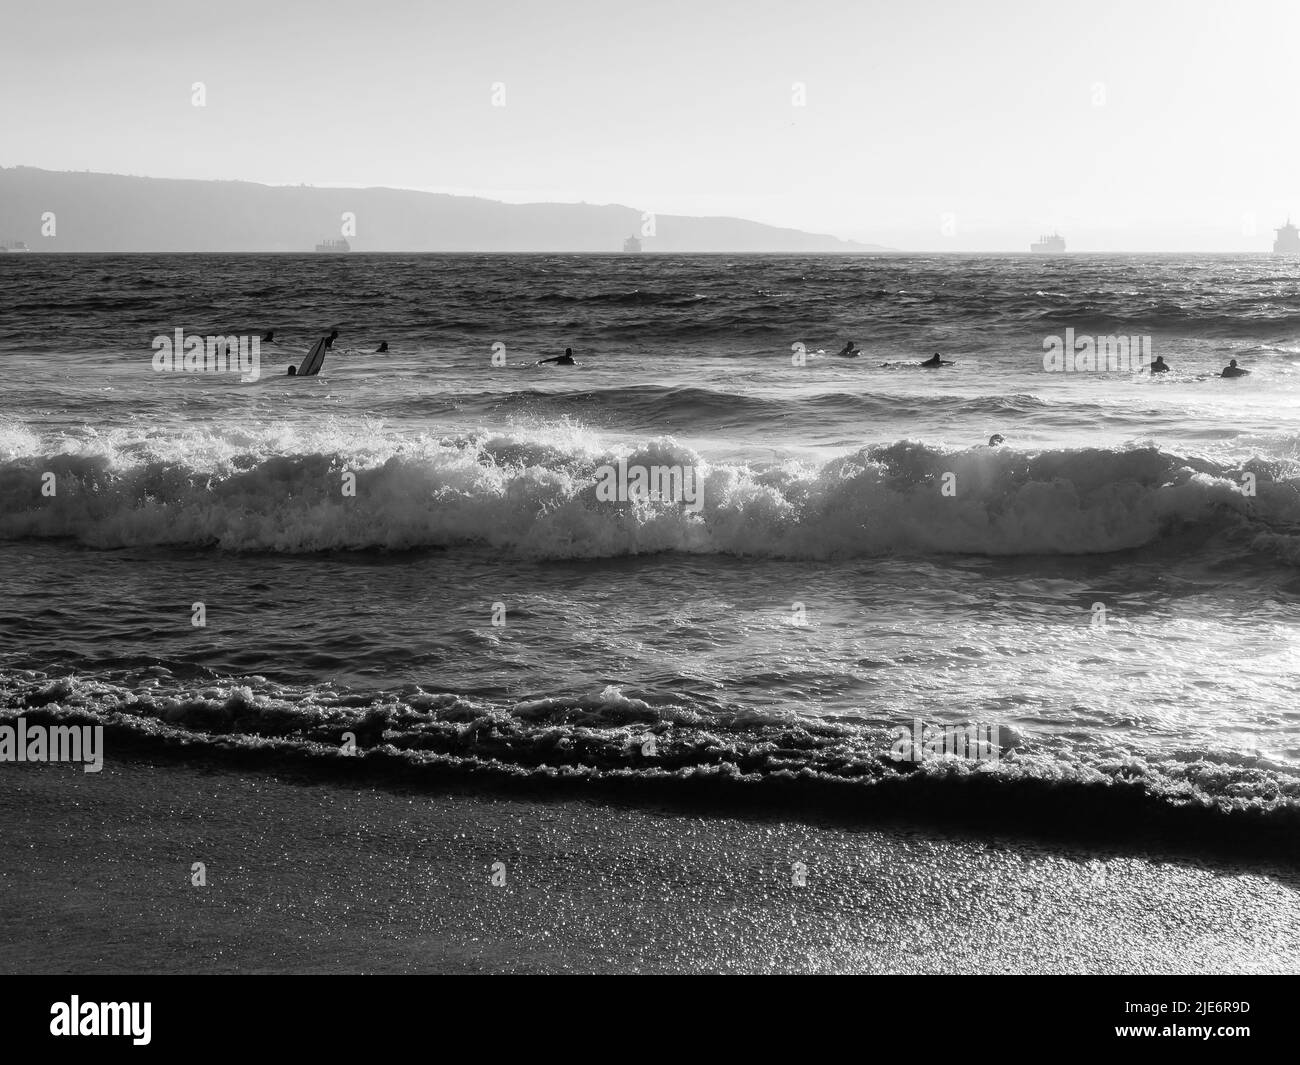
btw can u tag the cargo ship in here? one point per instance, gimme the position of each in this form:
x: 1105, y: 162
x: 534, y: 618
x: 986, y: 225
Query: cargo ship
x: 17, y: 245
x: 334, y: 246
x: 632, y: 245
x: 1288, y: 240
x: 1052, y: 244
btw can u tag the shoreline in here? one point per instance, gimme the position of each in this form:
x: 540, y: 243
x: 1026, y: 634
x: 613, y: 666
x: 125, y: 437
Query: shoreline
x: 1123, y: 816
x: 309, y: 876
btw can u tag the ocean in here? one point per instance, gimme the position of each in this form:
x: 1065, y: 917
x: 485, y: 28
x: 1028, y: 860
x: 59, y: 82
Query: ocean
x: 425, y: 561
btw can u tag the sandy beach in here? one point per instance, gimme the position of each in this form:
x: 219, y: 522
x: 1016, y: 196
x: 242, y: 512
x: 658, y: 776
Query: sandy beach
x: 304, y: 876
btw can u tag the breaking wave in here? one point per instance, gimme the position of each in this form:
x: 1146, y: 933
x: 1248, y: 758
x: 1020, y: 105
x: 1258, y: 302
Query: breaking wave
x: 534, y: 492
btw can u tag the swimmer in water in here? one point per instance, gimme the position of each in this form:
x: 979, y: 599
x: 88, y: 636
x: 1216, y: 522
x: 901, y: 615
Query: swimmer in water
x: 293, y: 372
x: 268, y: 336
x: 1233, y: 370
x: 329, y: 340
x: 1160, y: 366
x: 848, y: 351
x: 936, y: 361
x: 995, y: 439
x: 560, y: 360
x: 382, y: 349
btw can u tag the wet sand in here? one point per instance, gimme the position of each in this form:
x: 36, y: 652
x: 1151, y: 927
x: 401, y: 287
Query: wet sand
x: 304, y: 876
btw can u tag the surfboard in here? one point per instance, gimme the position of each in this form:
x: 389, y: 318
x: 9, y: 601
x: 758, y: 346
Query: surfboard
x: 315, y: 359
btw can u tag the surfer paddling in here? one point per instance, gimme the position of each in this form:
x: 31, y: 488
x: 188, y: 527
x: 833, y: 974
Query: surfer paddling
x: 560, y: 360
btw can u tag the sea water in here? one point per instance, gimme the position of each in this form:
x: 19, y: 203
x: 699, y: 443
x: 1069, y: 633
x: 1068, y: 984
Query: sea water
x: 420, y: 550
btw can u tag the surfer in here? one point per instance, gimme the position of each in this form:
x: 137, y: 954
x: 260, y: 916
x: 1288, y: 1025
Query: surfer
x: 995, y: 439
x: 315, y: 359
x: 1233, y: 370
x: 560, y: 360
x: 849, y: 350
x: 1160, y: 366
x: 936, y: 361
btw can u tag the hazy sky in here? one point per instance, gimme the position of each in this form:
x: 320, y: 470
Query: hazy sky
x: 1125, y: 124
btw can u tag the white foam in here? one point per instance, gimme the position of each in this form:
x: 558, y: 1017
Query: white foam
x: 531, y: 491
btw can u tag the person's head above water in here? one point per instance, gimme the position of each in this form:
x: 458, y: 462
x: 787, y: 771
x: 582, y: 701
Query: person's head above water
x: 1232, y: 362
x: 293, y: 372
x: 383, y: 346
x: 568, y: 351
x: 995, y: 439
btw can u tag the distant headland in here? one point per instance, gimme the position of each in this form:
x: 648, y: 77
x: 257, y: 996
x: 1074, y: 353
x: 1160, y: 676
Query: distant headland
x: 82, y: 211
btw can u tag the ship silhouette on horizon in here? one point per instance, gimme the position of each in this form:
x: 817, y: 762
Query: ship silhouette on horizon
x: 1051, y: 244
x: 1288, y: 240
